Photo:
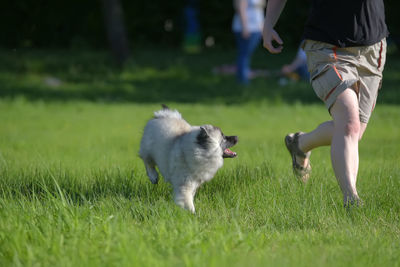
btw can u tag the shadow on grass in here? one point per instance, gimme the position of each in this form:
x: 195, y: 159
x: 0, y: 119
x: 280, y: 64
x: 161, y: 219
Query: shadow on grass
x: 77, y: 190
x: 154, y: 76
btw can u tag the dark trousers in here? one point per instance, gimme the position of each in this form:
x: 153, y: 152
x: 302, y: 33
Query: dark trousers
x: 245, y: 49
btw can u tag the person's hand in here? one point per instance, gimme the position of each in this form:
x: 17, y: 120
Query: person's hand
x: 270, y: 35
x: 245, y: 33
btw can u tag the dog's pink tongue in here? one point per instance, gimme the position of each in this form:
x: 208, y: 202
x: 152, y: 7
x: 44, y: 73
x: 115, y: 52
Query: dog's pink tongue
x: 229, y: 152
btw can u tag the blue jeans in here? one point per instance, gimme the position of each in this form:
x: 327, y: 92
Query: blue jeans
x: 192, y: 23
x: 245, y: 48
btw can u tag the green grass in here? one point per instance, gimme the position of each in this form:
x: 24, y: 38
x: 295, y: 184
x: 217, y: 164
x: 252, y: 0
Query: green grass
x: 73, y: 191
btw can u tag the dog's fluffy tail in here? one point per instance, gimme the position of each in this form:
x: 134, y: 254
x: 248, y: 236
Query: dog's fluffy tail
x: 167, y: 113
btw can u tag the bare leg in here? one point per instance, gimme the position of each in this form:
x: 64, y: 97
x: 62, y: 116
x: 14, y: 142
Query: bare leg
x: 363, y: 127
x: 343, y: 134
x: 322, y: 136
x: 344, y: 145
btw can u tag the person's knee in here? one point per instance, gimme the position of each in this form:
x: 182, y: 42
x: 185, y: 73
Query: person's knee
x: 346, y: 115
x: 353, y: 129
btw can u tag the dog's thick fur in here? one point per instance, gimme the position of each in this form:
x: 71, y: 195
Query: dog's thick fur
x: 185, y: 155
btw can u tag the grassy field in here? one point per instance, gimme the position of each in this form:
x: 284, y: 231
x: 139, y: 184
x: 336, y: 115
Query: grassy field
x: 73, y: 191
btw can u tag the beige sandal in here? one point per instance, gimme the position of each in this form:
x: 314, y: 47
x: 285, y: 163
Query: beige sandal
x: 292, y: 144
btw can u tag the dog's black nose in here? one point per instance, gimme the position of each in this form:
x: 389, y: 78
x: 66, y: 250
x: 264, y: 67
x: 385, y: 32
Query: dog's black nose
x: 233, y: 139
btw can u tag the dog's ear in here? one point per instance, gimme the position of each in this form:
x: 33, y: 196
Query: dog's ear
x: 202, y: 137
x: 203, y: 131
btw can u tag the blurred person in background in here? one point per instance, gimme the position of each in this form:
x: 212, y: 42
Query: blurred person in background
x: 192, y: 34
x: 247, y: 26
x: 297, y: 69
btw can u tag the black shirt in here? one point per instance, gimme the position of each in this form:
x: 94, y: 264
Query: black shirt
x: 346, y: 23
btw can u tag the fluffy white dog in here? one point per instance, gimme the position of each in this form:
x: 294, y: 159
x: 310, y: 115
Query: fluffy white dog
x: 185, y: 155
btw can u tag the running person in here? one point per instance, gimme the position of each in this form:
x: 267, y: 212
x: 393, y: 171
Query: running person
x: 346, y: 51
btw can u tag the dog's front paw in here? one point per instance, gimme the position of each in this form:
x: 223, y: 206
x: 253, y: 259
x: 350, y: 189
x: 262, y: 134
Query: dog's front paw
x: 186, y: 205
x: 152, y: 174
x: 154, y: 179
x: 185, y: 201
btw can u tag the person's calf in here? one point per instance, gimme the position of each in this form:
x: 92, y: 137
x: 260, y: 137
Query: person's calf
x: 320, y: 136
x: 363, y: 127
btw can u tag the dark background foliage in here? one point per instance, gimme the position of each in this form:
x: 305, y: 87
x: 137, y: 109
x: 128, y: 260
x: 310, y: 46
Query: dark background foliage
x: 77, y: 23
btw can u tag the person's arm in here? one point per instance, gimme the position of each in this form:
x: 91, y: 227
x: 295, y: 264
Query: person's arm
x: 274, y: 10
x: 242, y: 7
x: 299, y: 60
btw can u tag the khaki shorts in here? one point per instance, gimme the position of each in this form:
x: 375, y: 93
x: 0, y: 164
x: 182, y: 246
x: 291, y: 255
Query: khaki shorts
x: 334, y: 69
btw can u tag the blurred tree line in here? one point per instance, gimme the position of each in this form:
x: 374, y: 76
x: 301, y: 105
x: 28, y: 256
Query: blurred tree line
x: 81, y: 24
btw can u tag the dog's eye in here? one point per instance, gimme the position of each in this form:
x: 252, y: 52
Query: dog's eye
x: 222, y: 142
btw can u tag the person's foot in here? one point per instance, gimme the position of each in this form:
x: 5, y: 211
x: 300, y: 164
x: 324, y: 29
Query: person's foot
x: 351, y: 202
x: 300, y: 160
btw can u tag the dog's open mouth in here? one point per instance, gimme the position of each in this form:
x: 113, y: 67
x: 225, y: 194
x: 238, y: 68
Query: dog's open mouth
x: 229, y: 153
